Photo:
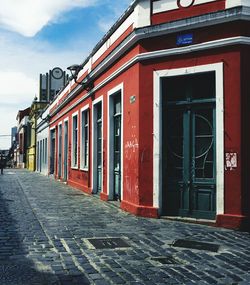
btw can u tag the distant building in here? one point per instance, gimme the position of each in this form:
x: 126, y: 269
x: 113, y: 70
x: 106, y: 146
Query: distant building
x: 13, y: 135
x: 42, y: 137
x: 21, y: 147
x: 51, y: 83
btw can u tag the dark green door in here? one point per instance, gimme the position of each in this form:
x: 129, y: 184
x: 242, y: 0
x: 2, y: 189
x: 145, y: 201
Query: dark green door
x: 99, y: 147
x: 59, y: 151
x: 52, y: 150
x: 189, y: 168
x: 117, y: 147
x: 65, y: 150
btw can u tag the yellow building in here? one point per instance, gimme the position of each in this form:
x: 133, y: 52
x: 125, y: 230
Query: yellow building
x: 35, y: 111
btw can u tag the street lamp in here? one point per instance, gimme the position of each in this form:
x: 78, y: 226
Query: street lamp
x: 86, y: 83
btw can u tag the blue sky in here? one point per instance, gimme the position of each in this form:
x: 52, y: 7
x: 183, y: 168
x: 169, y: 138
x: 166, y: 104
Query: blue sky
x: 36, y: 36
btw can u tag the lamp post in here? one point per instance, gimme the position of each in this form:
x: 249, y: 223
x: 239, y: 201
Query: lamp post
x: 86, y: 83
x: 35, y: 111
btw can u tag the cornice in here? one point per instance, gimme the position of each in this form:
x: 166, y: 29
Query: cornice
x: 211, y: 19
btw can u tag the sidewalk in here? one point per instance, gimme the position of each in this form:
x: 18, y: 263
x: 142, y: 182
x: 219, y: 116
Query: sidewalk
x: 53, y: 234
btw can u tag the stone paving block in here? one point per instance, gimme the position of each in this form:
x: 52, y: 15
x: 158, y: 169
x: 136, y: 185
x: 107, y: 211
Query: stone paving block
x: 38, y: 213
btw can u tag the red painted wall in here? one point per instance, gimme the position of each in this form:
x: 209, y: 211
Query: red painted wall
x: 245, y: 91
x: 138, y: 119
x: 187, y: 12
x: 113, y: 46
x: 231, y: 59
x: 200, y: 35
x: 131, y: 135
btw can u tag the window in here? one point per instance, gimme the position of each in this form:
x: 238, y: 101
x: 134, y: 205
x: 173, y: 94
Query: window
x: 74, y: 140
x: 45, y: 151
x: 21, y: 144
x: 85, y: 139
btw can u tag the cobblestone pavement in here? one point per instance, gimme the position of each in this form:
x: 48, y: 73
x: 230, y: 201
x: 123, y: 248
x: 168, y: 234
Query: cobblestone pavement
x: 46, y: 227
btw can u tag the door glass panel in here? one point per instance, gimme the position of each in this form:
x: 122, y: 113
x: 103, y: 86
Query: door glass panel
x: 175, y: 144
x: 189, y: 87
x: 99, y: 146
x: 204, y: 144
x: 117, y: 146
x: 175, y: 87
x: 203, y: 86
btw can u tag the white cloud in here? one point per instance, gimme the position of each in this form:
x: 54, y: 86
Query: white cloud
x: 15, y: 87
x: 22, y: 59
x: 8, y: 120
x: 21, y: 62
x: 16, y: 92
x: 28, y: 17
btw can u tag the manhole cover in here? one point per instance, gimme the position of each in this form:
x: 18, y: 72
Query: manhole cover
x: 165, y: 260
x: 102, y: 243
x: 196, y: 245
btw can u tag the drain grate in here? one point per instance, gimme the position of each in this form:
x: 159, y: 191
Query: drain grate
x: 110, y: 243
x: 170, y: 260
x: 75, y: 194
x: 196, y: 245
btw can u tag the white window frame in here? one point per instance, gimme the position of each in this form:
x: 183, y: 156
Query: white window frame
x: 46, y: 151
x: 84, y: 165
x: 73, y: 146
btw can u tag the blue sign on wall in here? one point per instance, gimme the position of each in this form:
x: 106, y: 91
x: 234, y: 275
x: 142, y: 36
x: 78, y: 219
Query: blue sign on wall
x: 185, y: 39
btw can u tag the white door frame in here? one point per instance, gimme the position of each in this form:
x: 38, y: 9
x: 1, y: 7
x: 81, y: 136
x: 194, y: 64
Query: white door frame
x: 157, y: 131
x: 65, y: 121
x: 110, y: 143
x: 94, y: 136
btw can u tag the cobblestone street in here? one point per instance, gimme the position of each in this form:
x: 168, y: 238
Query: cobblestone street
x: 46, y: 231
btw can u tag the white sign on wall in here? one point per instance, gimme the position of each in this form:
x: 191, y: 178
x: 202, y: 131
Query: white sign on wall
x: 168, y: 5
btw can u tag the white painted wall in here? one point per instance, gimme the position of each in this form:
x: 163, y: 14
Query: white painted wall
x: 234, y: 3
x: 142, y: 14
x: 41, y: 135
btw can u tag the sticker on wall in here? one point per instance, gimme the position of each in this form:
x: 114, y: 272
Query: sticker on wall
x: 231, y: 160
x: 132, y: 99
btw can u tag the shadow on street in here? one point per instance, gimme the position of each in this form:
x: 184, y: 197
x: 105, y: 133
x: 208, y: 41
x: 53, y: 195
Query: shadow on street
x: 20, y: 234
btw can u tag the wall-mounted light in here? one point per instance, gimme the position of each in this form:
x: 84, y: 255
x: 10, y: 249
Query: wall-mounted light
x: 86, y: 83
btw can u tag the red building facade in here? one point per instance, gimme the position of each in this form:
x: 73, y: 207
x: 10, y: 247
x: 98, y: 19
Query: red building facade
x: 159, y: 121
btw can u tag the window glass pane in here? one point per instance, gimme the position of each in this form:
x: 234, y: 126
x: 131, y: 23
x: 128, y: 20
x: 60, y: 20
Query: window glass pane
x: 75, y: 135
x: 189, y: 87
x: 85, y: 139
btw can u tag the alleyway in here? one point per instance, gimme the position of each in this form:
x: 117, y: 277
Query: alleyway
x: 46, y: 231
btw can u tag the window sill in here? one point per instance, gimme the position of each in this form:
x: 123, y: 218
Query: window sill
x: 84, y: 169
x: 74, y: 167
